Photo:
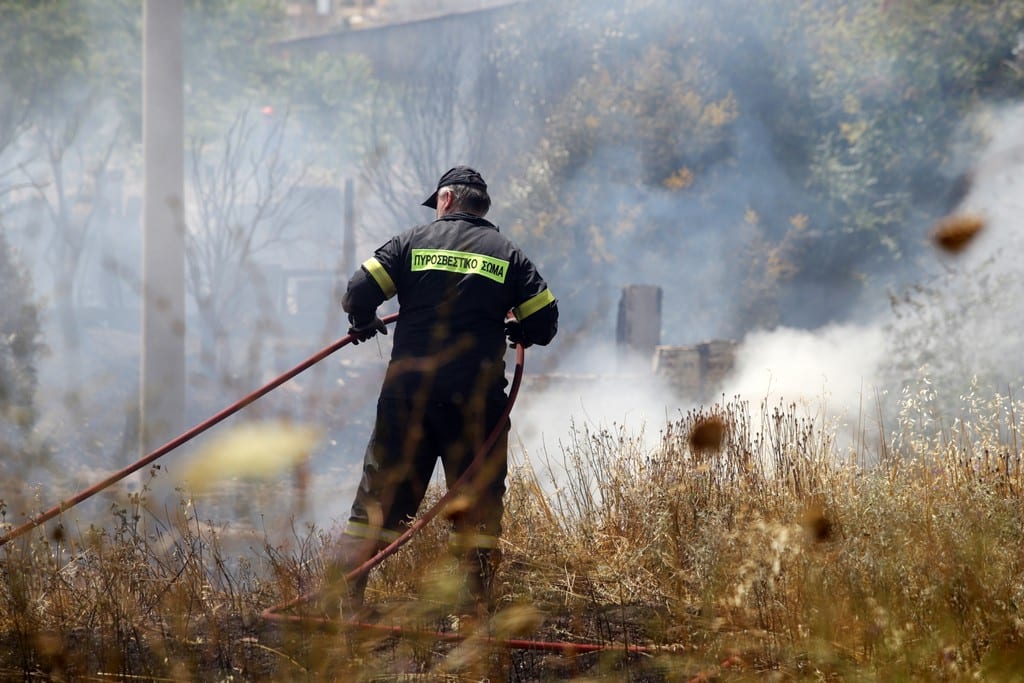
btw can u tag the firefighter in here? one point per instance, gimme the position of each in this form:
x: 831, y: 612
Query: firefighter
x: 443, y: 393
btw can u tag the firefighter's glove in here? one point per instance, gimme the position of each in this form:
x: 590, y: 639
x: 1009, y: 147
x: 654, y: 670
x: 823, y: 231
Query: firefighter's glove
x: 514, y: 332
x: 367, y: 330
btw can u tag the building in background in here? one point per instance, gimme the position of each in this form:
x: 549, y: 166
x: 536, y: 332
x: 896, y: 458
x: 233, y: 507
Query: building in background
x: 317, y: 17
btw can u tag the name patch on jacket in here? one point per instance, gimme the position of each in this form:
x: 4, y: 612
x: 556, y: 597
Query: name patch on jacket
x: 459, y: 262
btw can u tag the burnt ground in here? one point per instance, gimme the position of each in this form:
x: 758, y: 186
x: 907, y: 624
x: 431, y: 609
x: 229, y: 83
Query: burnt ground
x: 257, y: 650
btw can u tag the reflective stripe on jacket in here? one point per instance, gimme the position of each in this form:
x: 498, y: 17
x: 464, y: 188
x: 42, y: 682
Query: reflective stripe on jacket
x: 456, y: 279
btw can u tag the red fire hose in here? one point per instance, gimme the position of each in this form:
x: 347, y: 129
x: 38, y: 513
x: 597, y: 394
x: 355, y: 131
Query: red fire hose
x: 184, y: 438
x: 274, y: 613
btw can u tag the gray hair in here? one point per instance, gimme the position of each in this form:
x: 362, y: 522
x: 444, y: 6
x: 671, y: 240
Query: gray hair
x: 469, y: 198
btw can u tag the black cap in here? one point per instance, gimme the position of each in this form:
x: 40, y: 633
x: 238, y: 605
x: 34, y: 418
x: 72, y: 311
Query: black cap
x: 460, y: 175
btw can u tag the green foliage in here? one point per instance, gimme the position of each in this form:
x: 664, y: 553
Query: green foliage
x: 858, y: 107
x: 41, y: 43
x: 48, y: 49
x: 893, y: 84
x: 329, y: 99
x: 234, y: 69
x: 229, y: 61
x: 645, y: 122
x: 42, y: 50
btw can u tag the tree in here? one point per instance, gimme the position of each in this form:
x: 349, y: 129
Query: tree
x: 271, y: 137
x: 442, y: 113
x: 70, y: 121
x: 229, y: 60
x: 244, y: 196
x: 20, y: 345
x: 836, y: 123
x: 40, y: 42
x: 72, y: 154
x: 59, y: 136
x: 638, y: 127
x: 327, y: 98
x: 893, y: 84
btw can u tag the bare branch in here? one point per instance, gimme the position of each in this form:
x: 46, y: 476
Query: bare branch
x: 245, y: 195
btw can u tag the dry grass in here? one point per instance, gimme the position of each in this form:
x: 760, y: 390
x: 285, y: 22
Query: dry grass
x: 762, y: 558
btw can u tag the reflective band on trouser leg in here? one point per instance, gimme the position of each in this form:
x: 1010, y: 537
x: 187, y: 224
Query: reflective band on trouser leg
x: 380, y: 276
x: 369, y: 532
x: 533, y: 304
x: 467, y: 539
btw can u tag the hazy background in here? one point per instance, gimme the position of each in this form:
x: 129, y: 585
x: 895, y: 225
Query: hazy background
x: 775, y: 167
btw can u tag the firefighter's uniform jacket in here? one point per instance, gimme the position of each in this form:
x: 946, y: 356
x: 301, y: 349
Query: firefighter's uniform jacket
x: 456, y: 279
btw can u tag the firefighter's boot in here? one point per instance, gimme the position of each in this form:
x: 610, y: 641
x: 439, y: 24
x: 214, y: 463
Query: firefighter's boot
x: 481, y: 565
x: 343, y: 597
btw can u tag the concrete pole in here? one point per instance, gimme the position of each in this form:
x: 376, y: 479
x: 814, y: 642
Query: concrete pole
x: 162, y: 372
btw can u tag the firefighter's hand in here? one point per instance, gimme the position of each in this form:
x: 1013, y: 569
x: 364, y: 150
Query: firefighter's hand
x: 514, y: 332
x: 367, y: 330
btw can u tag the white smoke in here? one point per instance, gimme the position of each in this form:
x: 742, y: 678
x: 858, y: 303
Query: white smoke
x: 830, y: 375
x: 960, y: 326
x: 995, y: 190
x: 604, y: 393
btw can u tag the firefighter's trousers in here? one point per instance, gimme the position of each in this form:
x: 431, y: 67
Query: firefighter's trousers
x: 409, y: 436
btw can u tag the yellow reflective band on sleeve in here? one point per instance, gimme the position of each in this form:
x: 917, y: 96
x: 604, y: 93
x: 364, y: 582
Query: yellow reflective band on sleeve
x: 464, y: 262
x: 377, y: 272
x: 533, y: 304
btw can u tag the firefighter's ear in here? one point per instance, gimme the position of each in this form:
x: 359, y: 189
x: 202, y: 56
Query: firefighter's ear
x: 445, y: 200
